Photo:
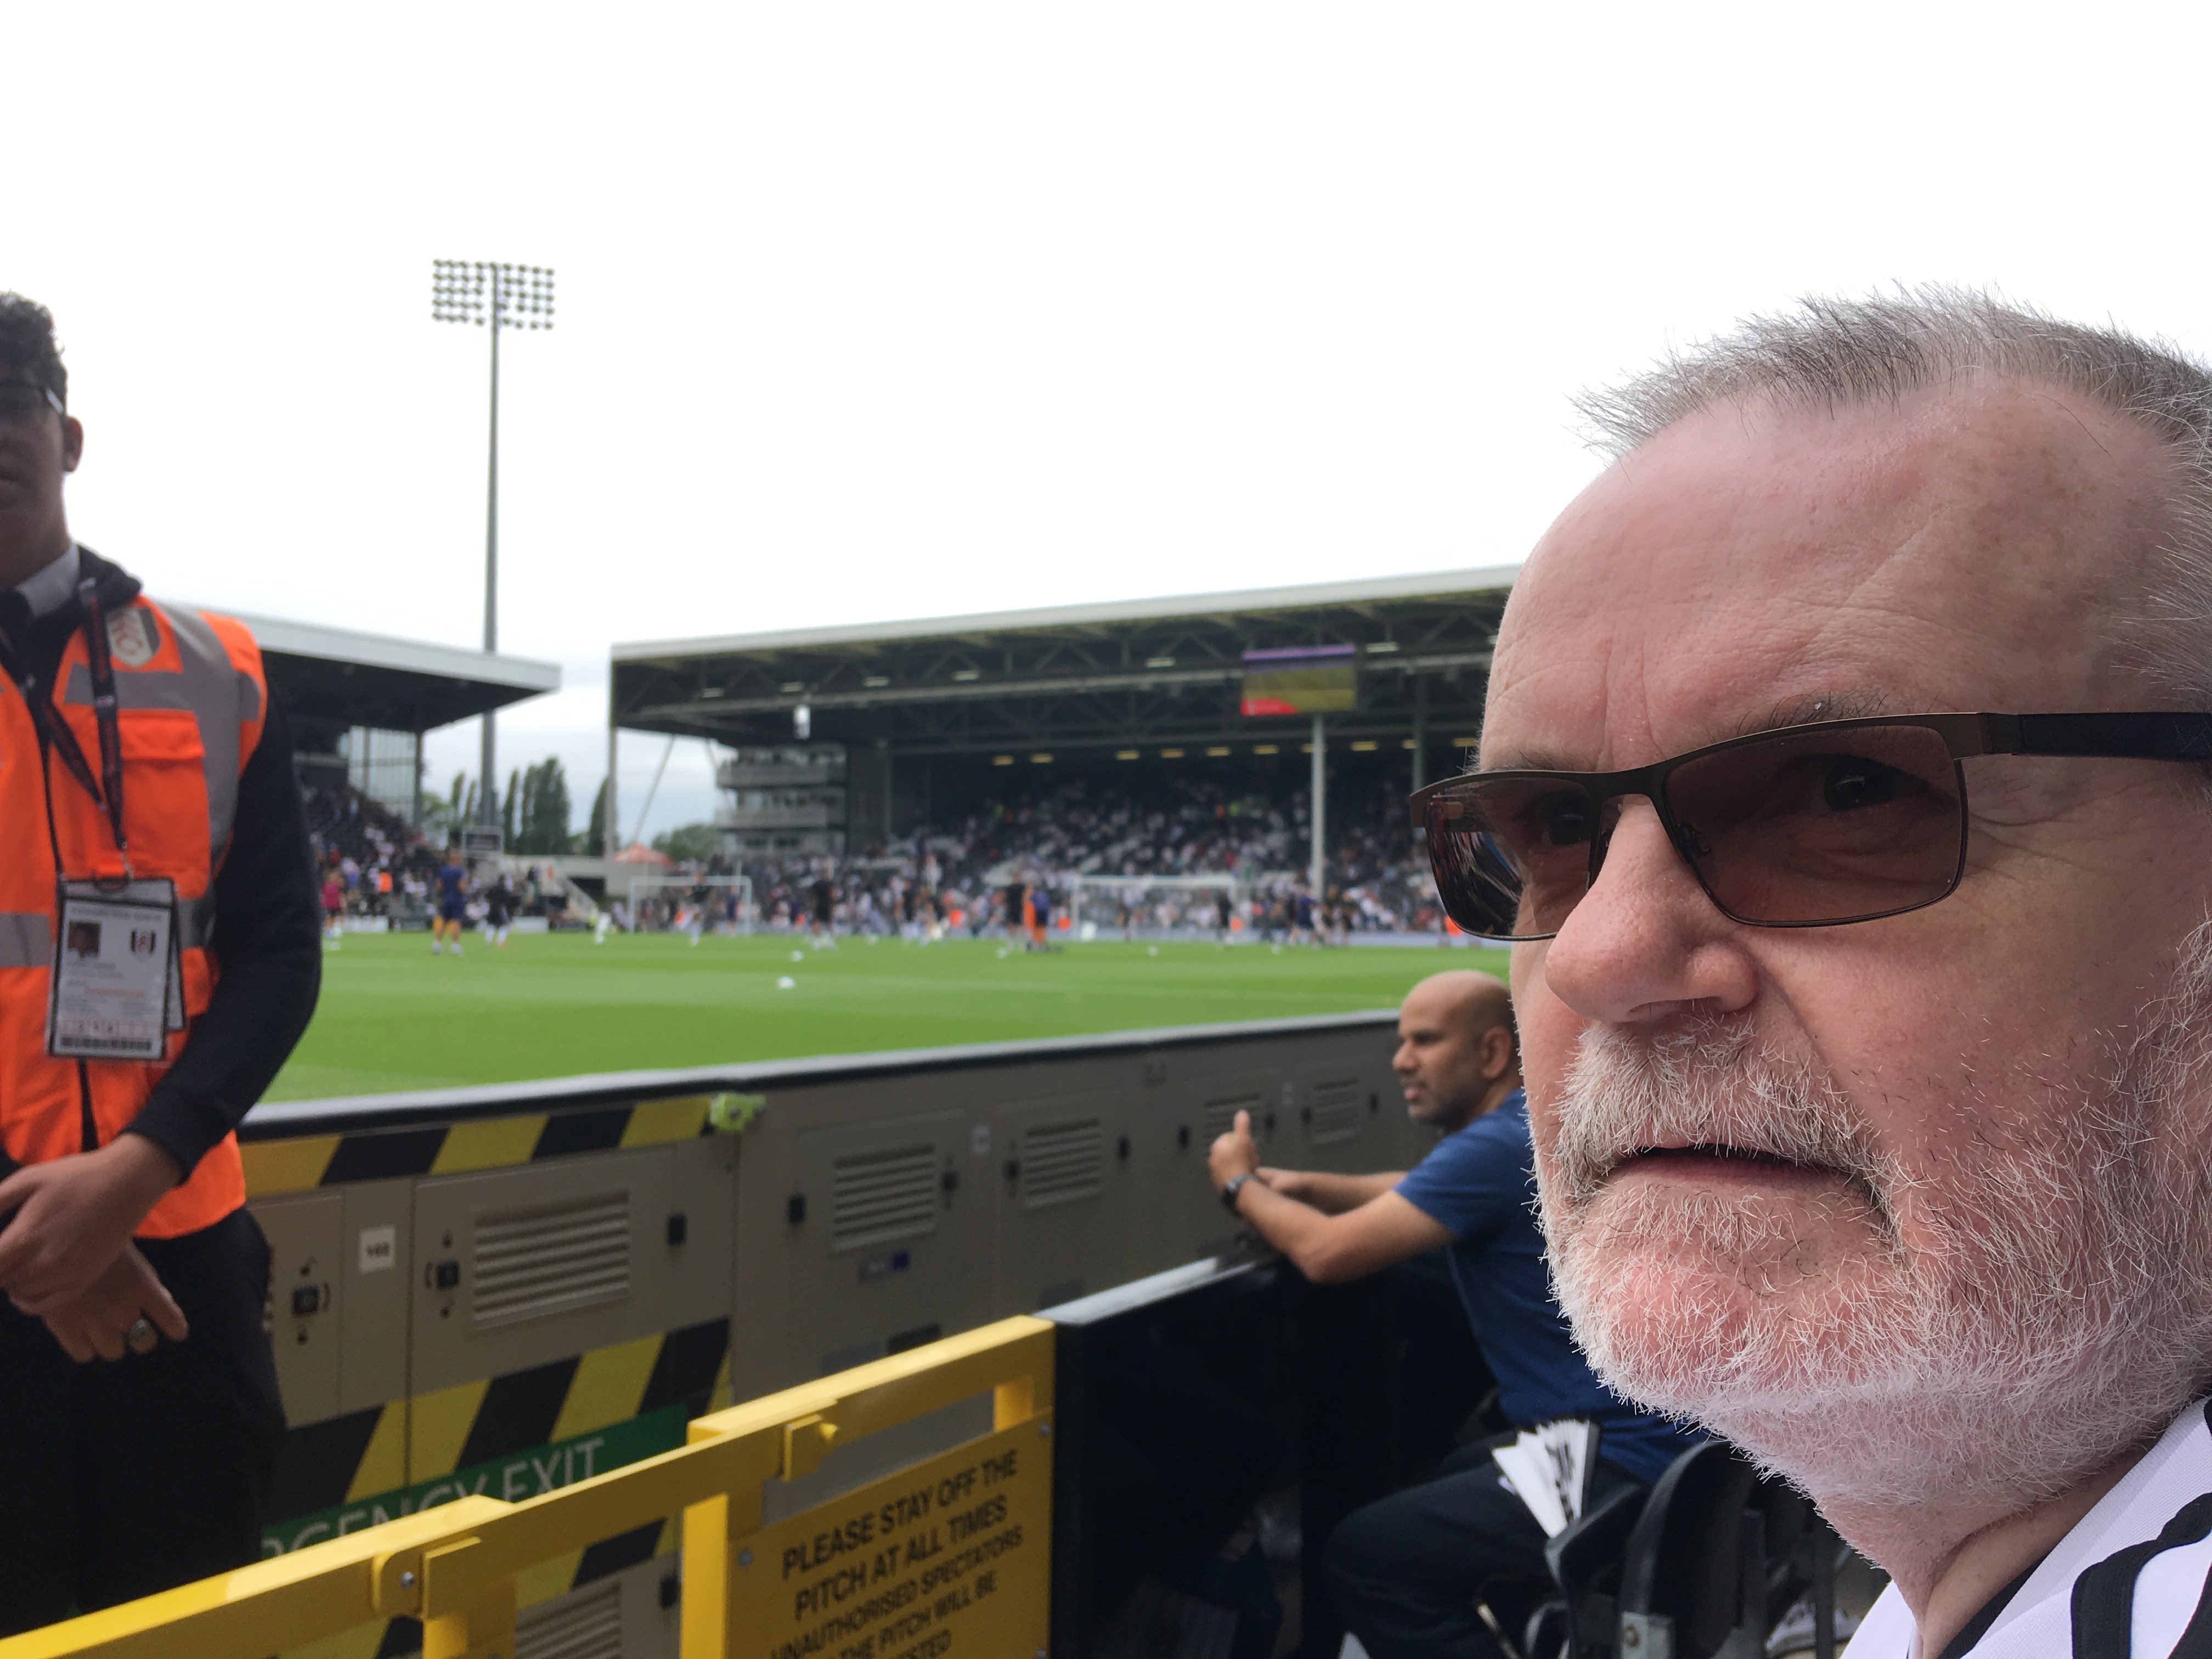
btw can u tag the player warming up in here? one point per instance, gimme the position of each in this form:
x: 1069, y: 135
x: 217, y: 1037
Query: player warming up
x: 453, y: 903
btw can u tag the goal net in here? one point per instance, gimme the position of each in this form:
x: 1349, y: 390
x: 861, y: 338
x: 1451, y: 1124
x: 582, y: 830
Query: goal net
x: 1158, y: 907
x: 662, y: 903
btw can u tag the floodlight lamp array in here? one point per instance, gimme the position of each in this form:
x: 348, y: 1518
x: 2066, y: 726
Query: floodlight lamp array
x: 477, y: 290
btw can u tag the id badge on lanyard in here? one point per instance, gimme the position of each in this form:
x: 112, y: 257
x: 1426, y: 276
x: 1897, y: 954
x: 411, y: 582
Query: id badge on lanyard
x: 115, y: 994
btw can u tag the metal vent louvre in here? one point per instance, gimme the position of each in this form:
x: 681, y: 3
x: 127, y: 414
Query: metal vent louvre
x: 550, y: 1259
x: 1062, y: 1162
x: 1219, y: 1116
x: 587, y: 1626
x: 876, y: 1197
x: 1338, y: 1111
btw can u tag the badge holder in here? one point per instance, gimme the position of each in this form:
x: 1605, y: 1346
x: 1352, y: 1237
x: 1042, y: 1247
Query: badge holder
x: 115, y: 978
x: 115, y: 991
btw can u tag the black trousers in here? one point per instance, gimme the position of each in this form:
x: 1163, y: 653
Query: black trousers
x: 1405, y: 1572
x: 121, y: 1478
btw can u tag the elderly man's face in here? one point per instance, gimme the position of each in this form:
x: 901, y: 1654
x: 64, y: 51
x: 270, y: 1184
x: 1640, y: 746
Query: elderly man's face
x: 1785, y: 1169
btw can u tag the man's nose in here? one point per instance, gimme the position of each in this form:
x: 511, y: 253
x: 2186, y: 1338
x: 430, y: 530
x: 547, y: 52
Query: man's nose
x: 1645, y: 942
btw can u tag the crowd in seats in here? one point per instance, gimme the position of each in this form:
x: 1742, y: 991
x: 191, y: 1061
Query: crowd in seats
x: 381, y: 866
x: 955, y: 875
x: 1378, y: 881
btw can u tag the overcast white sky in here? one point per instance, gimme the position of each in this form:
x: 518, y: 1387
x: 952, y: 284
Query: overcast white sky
x: 874, y: 311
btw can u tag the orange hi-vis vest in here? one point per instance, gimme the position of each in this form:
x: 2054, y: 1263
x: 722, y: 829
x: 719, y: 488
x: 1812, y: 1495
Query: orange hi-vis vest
x: 190, y: 698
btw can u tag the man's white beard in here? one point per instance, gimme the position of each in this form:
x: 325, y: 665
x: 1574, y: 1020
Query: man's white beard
x: 2012, y: 1318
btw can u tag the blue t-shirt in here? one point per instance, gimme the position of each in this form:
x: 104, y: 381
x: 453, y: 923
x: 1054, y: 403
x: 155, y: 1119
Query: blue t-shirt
x: 450, y: 878
x: 1480, y: 1182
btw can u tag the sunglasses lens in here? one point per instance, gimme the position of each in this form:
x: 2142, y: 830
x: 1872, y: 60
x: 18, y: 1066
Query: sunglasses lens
x: 1824, y: 826
x: 1511, y: 855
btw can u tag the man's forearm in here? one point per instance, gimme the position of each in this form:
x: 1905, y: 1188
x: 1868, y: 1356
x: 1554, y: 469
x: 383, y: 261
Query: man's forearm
x: 1333, y: 1194
x: 1296, y: 1228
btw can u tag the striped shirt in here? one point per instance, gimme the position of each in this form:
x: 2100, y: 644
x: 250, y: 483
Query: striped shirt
x: 2127, y: 1582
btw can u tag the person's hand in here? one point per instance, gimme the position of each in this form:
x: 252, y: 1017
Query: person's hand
x: 1291, y: 1183
x: 1234, y: 1153
x: 97, y: 1324
x: 73, y: 1215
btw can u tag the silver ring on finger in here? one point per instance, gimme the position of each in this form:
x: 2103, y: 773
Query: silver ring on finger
x: 142, y: 1336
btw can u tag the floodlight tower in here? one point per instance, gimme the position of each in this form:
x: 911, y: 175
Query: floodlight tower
x: 493, y: 297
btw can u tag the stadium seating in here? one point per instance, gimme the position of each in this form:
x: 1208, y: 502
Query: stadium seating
x: 1152, y: 826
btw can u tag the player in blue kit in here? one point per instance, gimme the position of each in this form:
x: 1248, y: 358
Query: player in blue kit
x: 452, y: 902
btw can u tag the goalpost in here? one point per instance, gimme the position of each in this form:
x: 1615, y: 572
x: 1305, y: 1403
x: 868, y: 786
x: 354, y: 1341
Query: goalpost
x: 643, y: 888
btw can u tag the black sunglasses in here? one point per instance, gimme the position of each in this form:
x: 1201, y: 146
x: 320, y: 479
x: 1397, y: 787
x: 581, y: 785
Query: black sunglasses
x: 1806, y: 826
x: 21, y: 401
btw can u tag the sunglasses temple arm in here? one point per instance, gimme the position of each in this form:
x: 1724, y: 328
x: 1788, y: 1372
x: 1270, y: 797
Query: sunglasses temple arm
x: 2112, y: 737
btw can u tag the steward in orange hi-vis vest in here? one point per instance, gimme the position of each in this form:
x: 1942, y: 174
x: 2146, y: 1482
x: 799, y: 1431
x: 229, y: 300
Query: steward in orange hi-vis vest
x: 189, y: 698
x: 160, y: 956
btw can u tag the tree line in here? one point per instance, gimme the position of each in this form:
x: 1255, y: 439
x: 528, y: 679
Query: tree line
x: 536, y: 811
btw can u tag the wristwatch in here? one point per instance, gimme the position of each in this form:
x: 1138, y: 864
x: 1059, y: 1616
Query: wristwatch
x: 1230, y: 1189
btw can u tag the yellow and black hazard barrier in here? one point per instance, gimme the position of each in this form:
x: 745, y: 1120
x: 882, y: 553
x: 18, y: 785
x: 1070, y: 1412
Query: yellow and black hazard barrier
x: 951, y: 1554
x: 466, y: 1146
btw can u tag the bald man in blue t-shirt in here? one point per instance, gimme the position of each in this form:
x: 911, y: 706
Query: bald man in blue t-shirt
x: 1405, y: 1572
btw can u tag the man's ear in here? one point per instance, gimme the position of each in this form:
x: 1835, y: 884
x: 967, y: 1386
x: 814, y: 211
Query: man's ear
x: 72, y: 442
x: 1498, y: 1053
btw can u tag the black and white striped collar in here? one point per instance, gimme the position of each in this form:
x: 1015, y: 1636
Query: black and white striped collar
x: 2129, y: 1582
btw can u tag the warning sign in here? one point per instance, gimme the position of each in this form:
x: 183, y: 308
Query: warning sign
x: 949, y: 1557
x: 546, y: 1469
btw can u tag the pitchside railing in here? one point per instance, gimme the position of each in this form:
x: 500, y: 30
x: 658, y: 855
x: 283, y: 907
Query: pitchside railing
x: 951, y: 1554
x: 759, y: 1247
x: 1153, y: 1469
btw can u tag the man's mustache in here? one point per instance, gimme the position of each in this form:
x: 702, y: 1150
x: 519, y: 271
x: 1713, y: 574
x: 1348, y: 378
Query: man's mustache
x: 1707, y: 1087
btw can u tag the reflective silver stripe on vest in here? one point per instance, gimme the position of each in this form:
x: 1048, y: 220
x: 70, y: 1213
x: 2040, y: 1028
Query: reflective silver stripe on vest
x: 153, y: 689
x: 219, y: 697
x: 27, y: 939
x: 219, y: 694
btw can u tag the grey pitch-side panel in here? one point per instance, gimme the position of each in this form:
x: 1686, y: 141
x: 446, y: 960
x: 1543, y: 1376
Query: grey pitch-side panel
x: 624, y: 1615
x: 702, y: 1270
x: 518, y: 1268
x: 1178, y: 1192
x: 306, y: 1284
x: 1350, y: 1114
x: 1064, y: 1197
x: 375, y: 1269
x: 883, y: 1233
x: 1392, y: 1139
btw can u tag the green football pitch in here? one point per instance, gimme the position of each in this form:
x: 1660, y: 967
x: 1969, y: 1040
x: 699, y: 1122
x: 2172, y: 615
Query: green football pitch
x: 394, y: 1016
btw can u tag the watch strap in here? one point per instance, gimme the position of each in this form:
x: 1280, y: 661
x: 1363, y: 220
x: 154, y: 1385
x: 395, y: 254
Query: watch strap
x: 1230, y: 1188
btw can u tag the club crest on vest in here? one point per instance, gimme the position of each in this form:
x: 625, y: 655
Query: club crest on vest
x: 132, y: 637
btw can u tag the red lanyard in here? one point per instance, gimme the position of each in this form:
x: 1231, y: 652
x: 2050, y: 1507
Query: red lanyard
x: 57, y: 732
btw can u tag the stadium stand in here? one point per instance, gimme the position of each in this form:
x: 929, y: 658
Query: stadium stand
x: 920, y: 713
x: 336, y: 680
x: 962, y: 753
x: 358, y: 705
x: 1158, y: 827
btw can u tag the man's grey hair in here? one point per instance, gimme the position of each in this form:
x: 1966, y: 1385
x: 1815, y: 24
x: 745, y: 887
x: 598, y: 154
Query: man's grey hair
x: 1842, y: 353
